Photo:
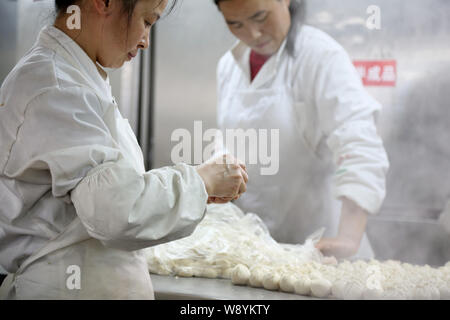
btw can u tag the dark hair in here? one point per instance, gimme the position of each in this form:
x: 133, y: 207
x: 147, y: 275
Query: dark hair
x: 127, y: 6
x: 297, y: 8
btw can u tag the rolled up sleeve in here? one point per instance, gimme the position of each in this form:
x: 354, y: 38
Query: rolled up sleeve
x: 347, y: 117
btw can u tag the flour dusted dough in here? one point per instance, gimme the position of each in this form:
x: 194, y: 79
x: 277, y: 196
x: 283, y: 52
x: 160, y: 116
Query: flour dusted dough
x: 271, y: 281
x: 256, y: 277
x: 320, y: 288
x: 303, y: 286
x: 240, y: 275
x: 372, y: 294
x: 338, y: 289
x: 353, y: 291
x: 287, y: 283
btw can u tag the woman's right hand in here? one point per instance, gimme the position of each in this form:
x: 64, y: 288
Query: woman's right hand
x: 225, y: 178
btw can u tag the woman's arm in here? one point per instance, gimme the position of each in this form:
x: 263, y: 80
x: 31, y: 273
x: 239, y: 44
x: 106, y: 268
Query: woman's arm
x: 352, y: 226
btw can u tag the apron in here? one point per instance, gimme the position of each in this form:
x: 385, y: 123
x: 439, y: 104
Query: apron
x: 298, y: 200
x: 74, y: 265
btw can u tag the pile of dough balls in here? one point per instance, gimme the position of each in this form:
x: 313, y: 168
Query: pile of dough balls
x: 232, y: 245
x: 350, y: 280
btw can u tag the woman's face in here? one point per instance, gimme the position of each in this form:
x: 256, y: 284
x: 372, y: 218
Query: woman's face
x: 261, y: 24
x: 122, y: 38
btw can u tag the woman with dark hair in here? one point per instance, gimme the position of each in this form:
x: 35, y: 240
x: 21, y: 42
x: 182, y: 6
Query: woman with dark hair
x: 283, y: 75
x: 76, y: 202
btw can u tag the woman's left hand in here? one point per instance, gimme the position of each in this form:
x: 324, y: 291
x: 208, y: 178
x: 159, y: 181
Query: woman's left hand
x: 338, y: 247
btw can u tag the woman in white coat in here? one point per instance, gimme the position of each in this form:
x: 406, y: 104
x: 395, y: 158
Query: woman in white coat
x: 76, y: 204
x: 293, y: 78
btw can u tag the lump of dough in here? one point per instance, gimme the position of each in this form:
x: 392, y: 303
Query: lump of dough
x: 373, y: 294
x: 353, y: 291
x: 435, y: 293
x: 303, y: 286
x: 320, y: 288
x: 338, y: 288
x: 186, y: 272
x: 287, y: 283
x: 256, y: 277
x: 421, y: 293
x: 210, y: 273
x: 271, y: 281
x: 444, y: 292
x: 240, y: 275
x: 227, y: 273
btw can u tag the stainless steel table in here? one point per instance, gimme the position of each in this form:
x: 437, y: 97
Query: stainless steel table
x: 174, y: 288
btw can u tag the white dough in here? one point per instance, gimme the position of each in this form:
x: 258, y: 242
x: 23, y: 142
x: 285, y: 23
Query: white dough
x: 227, y: 273
x: 353, y: 291
x: 210, y: 273
x: 444, y: 292
x: 231, y: 244
x: 421, y: 294
x: 338, y: 288
x: 256, y: 277
x: 372, y: 294
x: 186, y: 272
x: 303, y: 286
x: 240, y: 275
x: 435, y: 293
x: 320, y: 288
x: 271, y: 281
x: 287, y: 283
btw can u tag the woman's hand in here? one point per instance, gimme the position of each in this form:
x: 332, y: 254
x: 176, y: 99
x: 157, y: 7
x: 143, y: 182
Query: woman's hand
x: 338, y: 247
x: 351, y: 230
x: 225, y: 178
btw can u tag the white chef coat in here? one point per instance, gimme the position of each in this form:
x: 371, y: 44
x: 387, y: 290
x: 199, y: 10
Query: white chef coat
x: 329, y: 146
x: 73, y: 188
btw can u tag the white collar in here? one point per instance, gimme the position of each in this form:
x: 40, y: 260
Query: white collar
x: 54, y: 38
x: 241, y: 53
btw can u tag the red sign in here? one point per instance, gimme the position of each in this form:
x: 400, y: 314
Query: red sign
x: 377, y: 73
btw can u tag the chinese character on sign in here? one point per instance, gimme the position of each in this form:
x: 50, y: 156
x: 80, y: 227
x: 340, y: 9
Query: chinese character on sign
x: 389, y: 74
x: 374, y: 74
x: 377, y: 73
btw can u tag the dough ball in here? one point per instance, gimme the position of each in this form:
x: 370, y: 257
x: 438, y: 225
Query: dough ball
x: 240, y: 275
x: 271, y: 281
x: 287, y: 283
x: 210, y: 273
x: 256, y: 277
x: 320, y: 288
x: 303, y: 286
x: 435, y: 293
x: 315, y: 275
x: 186, y: 272
x: 338, y: 289
x: 444, y: 292
x: 227, y: 273
x: 353, y: 291
x: 421, y: 293
x: 373, y: 294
